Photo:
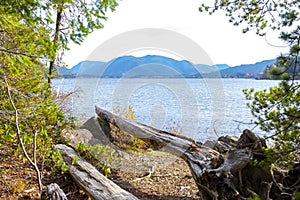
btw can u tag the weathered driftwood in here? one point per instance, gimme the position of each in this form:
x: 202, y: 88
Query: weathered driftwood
x: 220, y: 169
x: 53, y: 192
x: 96, y: 185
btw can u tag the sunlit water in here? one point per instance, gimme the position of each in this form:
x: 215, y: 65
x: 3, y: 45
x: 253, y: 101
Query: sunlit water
x: 199, y: 108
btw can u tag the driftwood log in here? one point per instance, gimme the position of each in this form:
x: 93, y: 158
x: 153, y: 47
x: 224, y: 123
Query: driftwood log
x: 96, y: 185
x: 221, y: 169
x: 53, y: 192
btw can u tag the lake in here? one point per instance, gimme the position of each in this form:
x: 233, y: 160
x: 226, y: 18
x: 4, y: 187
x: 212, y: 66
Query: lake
x: 200, y: 108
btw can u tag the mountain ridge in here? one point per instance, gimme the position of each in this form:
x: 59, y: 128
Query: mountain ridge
x: 160, y: 66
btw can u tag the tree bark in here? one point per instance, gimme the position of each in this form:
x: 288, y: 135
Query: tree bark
x: 53, y: 192
x: 96, y: 185
x: 55, y: 42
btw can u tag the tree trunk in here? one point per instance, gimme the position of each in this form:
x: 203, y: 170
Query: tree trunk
x: 96, y: 185
x: 55, y: 42
x: 220, y: 168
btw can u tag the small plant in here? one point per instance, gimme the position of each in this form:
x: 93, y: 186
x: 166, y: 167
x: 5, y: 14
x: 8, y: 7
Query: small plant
x: 256, y: 197
x: 105, y: 168
x: 297, y: 196
x: 59, y: 162
x: 174, y: 128
x: 149, y: 150
x: 127, y: 113
x: 102, y: 157
x: 74, y: 160
x: 124, y: 140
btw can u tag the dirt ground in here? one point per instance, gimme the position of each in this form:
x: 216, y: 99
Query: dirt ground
x: 171, y: 178
x: 18, y: 179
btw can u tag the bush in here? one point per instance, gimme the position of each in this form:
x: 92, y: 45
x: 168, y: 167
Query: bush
x: 102, y: 157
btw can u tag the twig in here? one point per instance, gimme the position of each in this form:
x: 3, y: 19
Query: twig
x: 215, y: 130
x: 151, y: 171
x: 32, y: 162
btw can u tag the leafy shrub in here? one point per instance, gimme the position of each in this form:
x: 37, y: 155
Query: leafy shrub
x: 100, y: 156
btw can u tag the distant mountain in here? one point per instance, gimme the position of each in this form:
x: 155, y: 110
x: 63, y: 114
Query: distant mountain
x: 147, y: 66
x: 206, y: 69
x: 246, y: 71
x: 84, y: 68
x: 157, y: 66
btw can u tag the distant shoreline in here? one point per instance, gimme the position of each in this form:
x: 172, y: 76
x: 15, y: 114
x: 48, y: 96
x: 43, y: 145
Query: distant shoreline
x: 158, y: 77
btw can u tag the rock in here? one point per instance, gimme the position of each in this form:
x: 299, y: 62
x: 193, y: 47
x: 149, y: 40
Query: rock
x: 97, y: 129
x: 80, y: 135
x: 91, y: 132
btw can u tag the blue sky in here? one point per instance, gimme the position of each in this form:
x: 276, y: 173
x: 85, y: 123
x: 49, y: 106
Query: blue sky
x: 223, y: 42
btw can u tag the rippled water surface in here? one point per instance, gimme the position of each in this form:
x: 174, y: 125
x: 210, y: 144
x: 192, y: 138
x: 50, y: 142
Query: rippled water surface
x: 199, y: 108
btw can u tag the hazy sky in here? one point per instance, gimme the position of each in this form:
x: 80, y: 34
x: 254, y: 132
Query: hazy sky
x: 223, y: 42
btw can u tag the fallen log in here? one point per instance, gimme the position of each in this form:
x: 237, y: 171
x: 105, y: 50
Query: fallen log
x: 53, y: 192
x: 96, y: 185
x: 221, y: 171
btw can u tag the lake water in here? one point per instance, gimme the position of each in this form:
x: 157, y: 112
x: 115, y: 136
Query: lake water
x: 199, y: 108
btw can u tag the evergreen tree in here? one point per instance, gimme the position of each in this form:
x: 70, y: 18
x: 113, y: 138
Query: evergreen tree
x: 32, y: 33
x: 277, y: 109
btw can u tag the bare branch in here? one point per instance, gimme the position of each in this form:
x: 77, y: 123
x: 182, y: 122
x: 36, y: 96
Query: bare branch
x: 32, y: 162
x: 16, y: 52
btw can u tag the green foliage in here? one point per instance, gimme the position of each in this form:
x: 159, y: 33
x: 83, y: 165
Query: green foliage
x: 285, y: 76
x: 32, y: 32
x: 258, y: 15
x: 254, y: 198
x: 58, y: 161
x: 277, y: 110
x: 37, y: 112
x: 126, y: 141
x: 105, y: 168
x: 102, y: 157
x: 74, y: 160
x: 21, y: 50
x: 297, y: 196
x: 63, y: 21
